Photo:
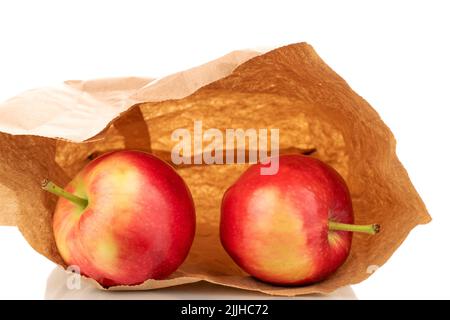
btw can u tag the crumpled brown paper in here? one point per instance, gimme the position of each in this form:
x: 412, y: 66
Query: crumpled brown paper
x: 289, y: 88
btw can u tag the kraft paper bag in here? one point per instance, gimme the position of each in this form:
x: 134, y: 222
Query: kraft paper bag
x: 54, y: 132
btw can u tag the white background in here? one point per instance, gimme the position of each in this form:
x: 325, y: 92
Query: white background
x: 396, y: 54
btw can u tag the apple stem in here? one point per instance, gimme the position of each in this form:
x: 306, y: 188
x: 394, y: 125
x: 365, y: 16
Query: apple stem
x: 49, y: 186
x: 369, y: 228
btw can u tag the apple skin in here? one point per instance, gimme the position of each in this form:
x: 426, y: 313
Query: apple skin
x: 275, y: 227
x: 139, y: 223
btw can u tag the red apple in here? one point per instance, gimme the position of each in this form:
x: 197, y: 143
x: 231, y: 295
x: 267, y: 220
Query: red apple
x: 290, y: 228
x: 125, y: 218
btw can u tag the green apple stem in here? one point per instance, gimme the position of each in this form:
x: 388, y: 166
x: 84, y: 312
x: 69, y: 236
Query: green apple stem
x: 60, y: 192
x: 369, y: 228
